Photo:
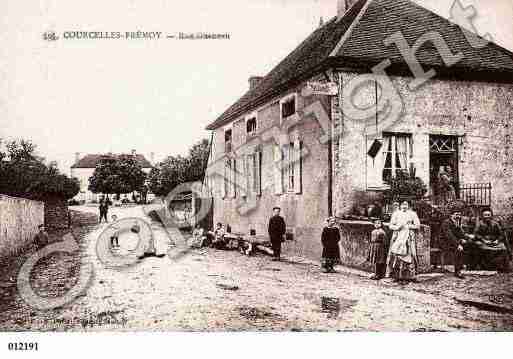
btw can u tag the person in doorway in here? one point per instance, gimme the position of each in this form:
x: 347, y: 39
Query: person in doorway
x: 330, y: 238
x: 377, y: 251
x: 41, y: 239
x: 454, y: 240
x: 276, y: 230
x: 402, y: 258
x: 446, y: 188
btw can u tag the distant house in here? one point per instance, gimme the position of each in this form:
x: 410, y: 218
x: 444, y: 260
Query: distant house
x: 84, y: 167
x: 461, y: 117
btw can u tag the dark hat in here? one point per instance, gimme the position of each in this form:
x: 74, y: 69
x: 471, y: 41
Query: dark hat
x: 276, y: 208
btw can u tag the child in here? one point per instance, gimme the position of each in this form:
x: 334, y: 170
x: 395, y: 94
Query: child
x: 330, y: 249
x: 114, y: 239
x: 377, y: 253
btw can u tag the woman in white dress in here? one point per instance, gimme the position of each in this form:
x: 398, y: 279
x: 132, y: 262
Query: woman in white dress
x: 402, y: 256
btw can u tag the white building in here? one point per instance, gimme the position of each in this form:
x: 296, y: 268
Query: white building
x: 84, y: 167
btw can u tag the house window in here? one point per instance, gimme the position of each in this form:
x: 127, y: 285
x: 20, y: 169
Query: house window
x: 289, y: 166
x: 397, y: 153
x: 288, y: 107
x: 254, y: 172
x: 228, y: 141
x: 251, y: 126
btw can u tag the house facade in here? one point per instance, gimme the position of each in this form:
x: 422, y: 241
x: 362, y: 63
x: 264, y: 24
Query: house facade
x: 84, y: 167
x: 347, y: 110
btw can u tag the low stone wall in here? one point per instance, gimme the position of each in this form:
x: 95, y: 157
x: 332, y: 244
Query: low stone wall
x: 355, y: 244
x: 56, y: 213
x: 19, y: 219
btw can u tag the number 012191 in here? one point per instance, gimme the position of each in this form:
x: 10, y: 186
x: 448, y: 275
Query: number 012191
x: 20, y: 346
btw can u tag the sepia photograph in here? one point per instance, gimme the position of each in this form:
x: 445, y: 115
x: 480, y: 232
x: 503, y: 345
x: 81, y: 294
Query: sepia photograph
x: 255, y: 166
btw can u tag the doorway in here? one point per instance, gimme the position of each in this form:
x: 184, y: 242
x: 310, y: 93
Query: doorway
x: 443, y: 159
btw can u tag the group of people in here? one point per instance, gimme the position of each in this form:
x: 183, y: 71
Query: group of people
x: 394, y: 257
x: 399, y: 262
x: 485, y: 248
x: 219, y: 240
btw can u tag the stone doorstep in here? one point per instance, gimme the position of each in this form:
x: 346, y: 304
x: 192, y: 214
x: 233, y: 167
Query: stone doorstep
x: 420, y: 277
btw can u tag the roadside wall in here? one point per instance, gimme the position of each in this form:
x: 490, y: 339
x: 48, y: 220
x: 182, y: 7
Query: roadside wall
x: 19, y: 219
x: 355, y: 245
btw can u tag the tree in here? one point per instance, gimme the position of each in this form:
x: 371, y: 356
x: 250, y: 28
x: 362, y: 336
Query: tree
x: 168, y: 174
x: 24, y: 174
x: 198, y: 158
x: 175, y: 170
x: 121, y: 174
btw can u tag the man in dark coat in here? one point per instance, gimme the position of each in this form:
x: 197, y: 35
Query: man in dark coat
x: 276, y: 229
x: 104, y: 209
x: 453, y: 240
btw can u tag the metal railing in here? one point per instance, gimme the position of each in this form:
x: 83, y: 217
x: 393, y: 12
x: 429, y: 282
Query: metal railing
x: 476, y: 194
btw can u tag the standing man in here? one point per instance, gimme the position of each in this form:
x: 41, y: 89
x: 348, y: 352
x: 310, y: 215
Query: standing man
x: 276, y: 229
x: 104, y: 209
x: 454, y: 240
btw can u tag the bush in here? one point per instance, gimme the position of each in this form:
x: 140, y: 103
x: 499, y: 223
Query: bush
x: 406, y: 186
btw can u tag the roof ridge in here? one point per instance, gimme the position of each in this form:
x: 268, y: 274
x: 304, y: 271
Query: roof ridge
x: 349, y: 31
x: 463, y: 29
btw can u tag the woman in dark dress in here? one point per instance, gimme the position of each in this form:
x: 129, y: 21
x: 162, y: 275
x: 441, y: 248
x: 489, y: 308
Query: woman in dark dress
x: 330, y: 250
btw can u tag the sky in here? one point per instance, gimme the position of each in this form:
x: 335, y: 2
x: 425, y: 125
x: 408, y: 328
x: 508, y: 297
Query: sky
x: 95, y: 96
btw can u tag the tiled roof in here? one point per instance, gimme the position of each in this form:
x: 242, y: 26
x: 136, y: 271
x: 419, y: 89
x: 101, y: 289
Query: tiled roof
x: 383, y: 18
x: 364, y: 44
x: 91, y: 160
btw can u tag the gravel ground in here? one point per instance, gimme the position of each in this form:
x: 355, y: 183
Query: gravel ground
x: 225, y: 291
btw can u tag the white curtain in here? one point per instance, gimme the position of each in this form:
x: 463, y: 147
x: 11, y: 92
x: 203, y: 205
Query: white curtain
x: 401, y: 149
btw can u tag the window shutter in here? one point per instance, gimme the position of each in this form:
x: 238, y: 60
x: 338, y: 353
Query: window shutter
x: 243, y: 185
x: 259, y: 173
x: 298, y: 175
x: 250, y: 174
x: 278, y: 172
x: 234, y: 178
x: 224, y: 180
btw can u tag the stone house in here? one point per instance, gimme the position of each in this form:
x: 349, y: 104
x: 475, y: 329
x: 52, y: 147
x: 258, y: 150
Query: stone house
x: 84, y: 167
x: 383, y: 87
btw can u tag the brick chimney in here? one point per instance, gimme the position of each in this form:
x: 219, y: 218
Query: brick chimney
x: 152, y: 158
x: 343, y: 6
x: 253, y: 81
x: 134, y: 152
x: 77, y: 157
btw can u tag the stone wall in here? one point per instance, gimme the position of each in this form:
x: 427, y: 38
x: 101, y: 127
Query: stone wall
x: 19, y: 219
x: 479, y: 114
x: 355, y: 244
x: 56, y: 213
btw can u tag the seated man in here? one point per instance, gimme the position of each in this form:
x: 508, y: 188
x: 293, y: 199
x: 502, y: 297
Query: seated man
x: 454, y: 240
x: 489, y: 244
x: 219, y: 240
x: 199, y: 239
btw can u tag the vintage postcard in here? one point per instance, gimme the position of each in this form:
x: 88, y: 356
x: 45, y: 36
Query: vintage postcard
x: 255, y: 166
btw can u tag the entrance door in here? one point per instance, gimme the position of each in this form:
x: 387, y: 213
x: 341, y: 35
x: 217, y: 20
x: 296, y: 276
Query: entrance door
x: 443, y: 156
